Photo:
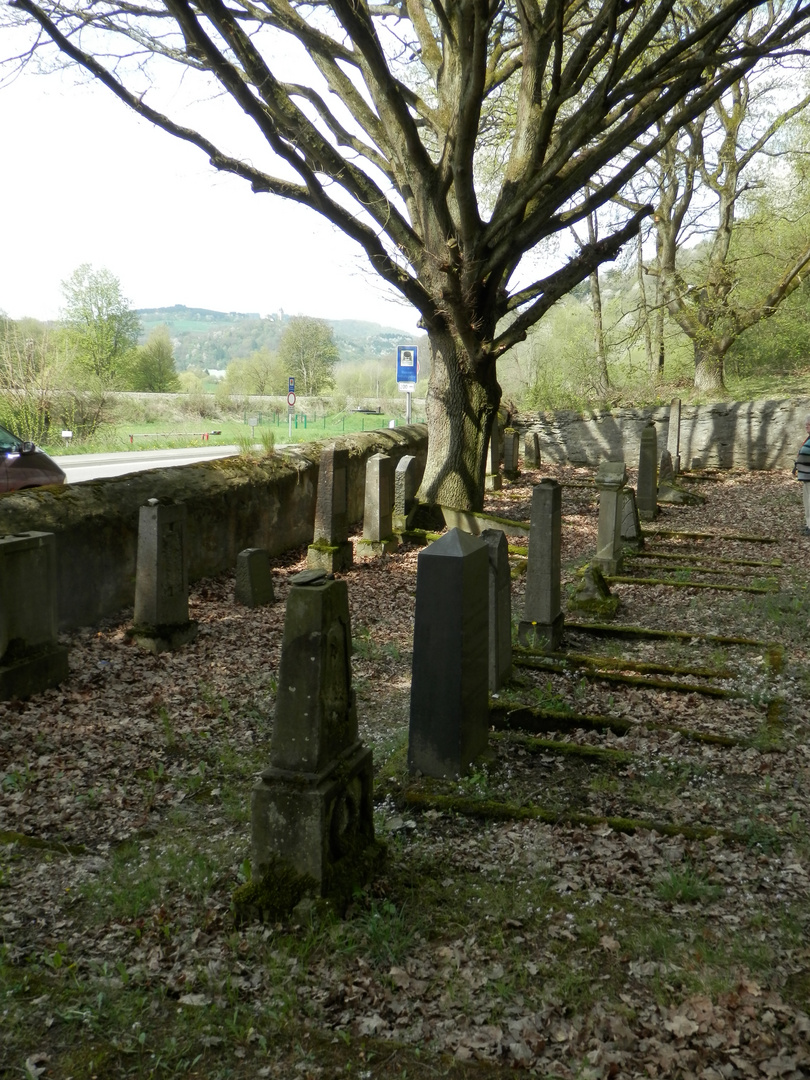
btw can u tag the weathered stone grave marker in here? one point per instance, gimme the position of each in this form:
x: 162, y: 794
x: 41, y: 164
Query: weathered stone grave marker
x: 531, y: 449
x: 492, y: 480
x: 500, y: 609
x: 331, y: 549
x: 611, y: 476
x: 631, y: 526
x: 511, y: 446
x: 311, y: 811
x: 542, y: 623
x: 666, y: 471
x: 674, y: 434
x: 378, y: 529
x: 449, y: 687
x: 161, y: 622
x: 30, y: 657
x: 647, y: 486
x: 254, y: 579
x: 406, y: 483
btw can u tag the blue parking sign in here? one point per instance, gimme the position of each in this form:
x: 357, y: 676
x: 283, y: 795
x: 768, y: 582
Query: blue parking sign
x: 407, y: 363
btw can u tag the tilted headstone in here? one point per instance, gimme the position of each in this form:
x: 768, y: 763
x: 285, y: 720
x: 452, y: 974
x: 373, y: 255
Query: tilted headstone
x: 378, y: 529
x: 500, y: 609
x: 593, y: 596
x: 647, y: 484
x: 631, y: 526
x: 449, y: 718
x: 331, y: 549
x: 492, y: 480
x: 666, y: 473
x: 531, y: 449
x: 511, y: 446
x: 30, y: 657
x: 312, y: 811
x: 254, y: 579
x: 542, y: 624
x: 161, y: 622
x: 406, y: 483
x: 674, y: 434
x: 611, y: 476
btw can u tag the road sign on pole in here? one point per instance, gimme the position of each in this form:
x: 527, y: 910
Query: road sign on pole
x: 407, y: 366
x: 291, y: 399
x: 291, y: 382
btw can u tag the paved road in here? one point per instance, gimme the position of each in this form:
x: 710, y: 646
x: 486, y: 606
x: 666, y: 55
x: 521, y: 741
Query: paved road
x: 94, y: 466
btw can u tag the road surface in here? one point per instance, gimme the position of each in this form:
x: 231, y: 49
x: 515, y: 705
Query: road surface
x: 95, y: 466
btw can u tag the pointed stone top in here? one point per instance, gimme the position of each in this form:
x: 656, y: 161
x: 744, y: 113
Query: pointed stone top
x: 453, y: 544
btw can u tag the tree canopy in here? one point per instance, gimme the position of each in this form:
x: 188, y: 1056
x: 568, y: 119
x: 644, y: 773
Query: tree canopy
x: 453, y: 141
x: 102, y: 328
x: 308, y: 351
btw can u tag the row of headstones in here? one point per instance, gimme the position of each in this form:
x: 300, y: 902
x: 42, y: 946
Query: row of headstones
x: 504, y: 446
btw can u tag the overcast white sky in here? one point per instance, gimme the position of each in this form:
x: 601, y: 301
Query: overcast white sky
x: 84, y: 180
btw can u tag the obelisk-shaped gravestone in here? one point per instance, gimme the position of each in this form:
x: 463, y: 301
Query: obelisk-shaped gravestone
x: 511, y: 446
x: 500, y: 609
x: 674, y: 434
x: 492, y: 480
x: 30, y: 657
x: 542, y: 623
x: 631, y: 527
x: 378, y: 529
x: 611, y: 476
x: 312, y: 809
x: 647, y: 485
x: 449, y: 685
x: 331, y: 549
x: 161, y: 622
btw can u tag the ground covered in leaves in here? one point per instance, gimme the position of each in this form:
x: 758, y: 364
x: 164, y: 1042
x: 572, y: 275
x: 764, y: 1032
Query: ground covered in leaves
x: 620, y: 888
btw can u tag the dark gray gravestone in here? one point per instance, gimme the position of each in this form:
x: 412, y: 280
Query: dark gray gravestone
x: 331, y: 549
x: 511, y: 446
x: 492, y: 480
x: 611, y: 476
x: 631, y: 526
x: 500, y: 609
x: 666, y: 472
x: 378, y: 529
x: 312, y: 809
x: 406, y: 483
x: 674, y: 434
x: 30, y: 657
x: 542, y: 624
x: 647, y: 485
x: 161, y: 622
x: 531, y: 449
x: 449, y: 686
x: 254, y: 579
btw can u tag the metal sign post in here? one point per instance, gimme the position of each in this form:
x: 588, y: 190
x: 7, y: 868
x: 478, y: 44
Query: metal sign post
x: 290, y: 407
x: 407, y: 373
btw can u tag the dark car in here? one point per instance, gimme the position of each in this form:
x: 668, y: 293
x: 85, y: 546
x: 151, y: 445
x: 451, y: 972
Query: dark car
x: 22, y: 465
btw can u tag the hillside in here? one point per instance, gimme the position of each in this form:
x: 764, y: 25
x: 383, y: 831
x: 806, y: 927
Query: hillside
x: 210, y: 339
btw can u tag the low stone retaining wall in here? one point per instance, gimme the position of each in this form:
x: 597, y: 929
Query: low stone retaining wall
x: 232, y: 504
x: 746, y: 434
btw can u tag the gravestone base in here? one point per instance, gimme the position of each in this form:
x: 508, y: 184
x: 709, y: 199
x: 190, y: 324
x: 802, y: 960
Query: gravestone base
x: 611, y: 566
x: 593, y: 595
x: 321, y: 825
x: 35, y: 670
x: 672, y: 495
x: 648, y: 515
x: 541, y: 637
x: 492, y: 481
x: 329, y: 557
x: 159, y: 639
x: 372, y: 549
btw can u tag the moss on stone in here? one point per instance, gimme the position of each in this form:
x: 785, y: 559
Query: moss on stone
x: 274, y: 895
x: 621, y: 580
x: 603, y: 629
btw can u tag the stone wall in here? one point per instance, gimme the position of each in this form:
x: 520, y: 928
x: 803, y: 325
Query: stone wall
x: 232, y: 504
x: 745, y: 434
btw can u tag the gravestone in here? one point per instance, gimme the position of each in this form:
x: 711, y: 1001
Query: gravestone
x: 331, y: 549
x: 500, y: 609
x: 492, y: 480
x: 378, y: 529
x: 593, y: 596
x: 161, y: 622
x: 542, y: 623
x: 311, y: 811
x: 666, y: 472
x: 668, y: 490
x: 674, y: 434
x: 449, y: 718
x: 647, y: 484
x: 631, y: 526
x: 30, y: 657
x: 254, y: 580
x: 611, y: 476
x: 406, y: 483
x: 531, y: 449
x: 511, y: 446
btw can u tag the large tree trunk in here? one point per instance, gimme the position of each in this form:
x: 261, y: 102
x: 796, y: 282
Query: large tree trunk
x: 708, y: 369
x: 462, y: 400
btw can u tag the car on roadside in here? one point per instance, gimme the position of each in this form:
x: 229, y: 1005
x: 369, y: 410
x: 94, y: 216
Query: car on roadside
x: 24, y: 465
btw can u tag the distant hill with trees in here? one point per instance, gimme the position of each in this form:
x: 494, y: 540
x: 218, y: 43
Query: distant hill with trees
x: 211, y: 339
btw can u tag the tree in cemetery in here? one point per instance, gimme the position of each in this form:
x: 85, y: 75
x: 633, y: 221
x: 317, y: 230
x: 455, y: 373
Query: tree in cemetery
x: 153, y: 370
x: 711, y: 281
x: 308, y: 351
x: 102, y: 329
x: 399, y: 110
